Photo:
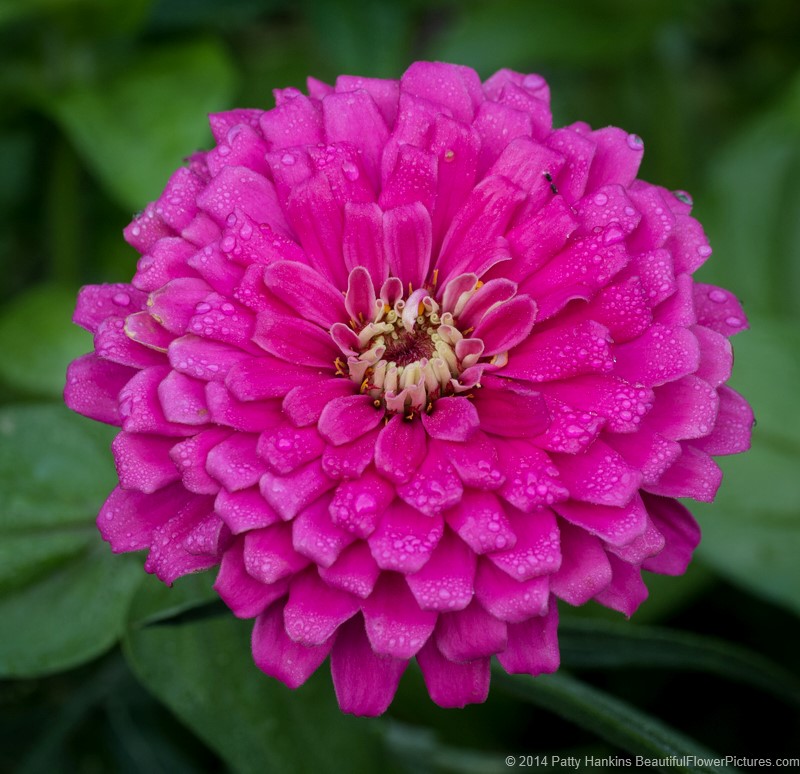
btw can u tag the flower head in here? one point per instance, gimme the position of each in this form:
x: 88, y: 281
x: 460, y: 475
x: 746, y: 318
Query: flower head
x: 410, y: 365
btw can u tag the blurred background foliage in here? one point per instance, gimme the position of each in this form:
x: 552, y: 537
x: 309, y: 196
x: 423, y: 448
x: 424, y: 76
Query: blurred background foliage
x: 100, y: 102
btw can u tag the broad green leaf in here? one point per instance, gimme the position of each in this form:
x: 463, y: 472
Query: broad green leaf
x: 157, y: 602
x: 603, y: 645
x: 616, y: 721
x: 134, y: 126
x: 63, y: 596
x: 69, y: 616
x: 755, y: 189
x: 205, y: 674
x: 752, y: 530
x: 38, y: 340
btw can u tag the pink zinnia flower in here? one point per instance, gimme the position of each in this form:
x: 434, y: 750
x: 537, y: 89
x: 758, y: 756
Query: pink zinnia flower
x: 410, y: 365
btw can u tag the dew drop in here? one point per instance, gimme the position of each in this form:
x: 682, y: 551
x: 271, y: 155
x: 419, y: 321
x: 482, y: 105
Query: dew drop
x: 121, y: 299
x: 718, y: 296
x: 287, y: 159
x: 635, y: 142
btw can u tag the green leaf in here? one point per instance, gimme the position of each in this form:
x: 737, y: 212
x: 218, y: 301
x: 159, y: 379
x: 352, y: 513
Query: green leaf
x: 616, y: 721
x: 752, y: 531
x: 603, y: 645
x: 157, y: 603
x: 135, y: 126
x: 38, y: 340
x: 755, y: 188
x: 205, y: 674
x: 63, y: 596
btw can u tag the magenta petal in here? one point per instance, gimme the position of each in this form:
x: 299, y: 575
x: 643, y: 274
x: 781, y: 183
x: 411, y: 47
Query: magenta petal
x: 345, y: 419
x: 719, y: 310
x: 508, y: 599
x: 365, y: 682
x: 97, y: 302
x: 190, y: 457
x: 285, y: 448
x: 585, y: 569
x: 235, y: 463
x: 661, y: 354
x: 363, y: 240
x: 297, y: 341
x: 243, y: 594
x: 277, y: 655
x: 506, y: 325
x: 269, y: 555
x: 452, y: 684
x: 598, y: 475
x: 127, y: 518
x: 244, y: 510
x: 435, y: 486
x: 686, y: 408
x: 451, y: 419
x: 407, y: 242
x: 509, y: 409
x: 531, y: 479
x: 693, y: 474
x: 533, y: 645
x: 470, y: 633
x: 349, y: 460
x: 400, y: 449
x: 413, y: 179
x: 267, y: 377
x: 304, y: 403
x: 734, y: 426
x: 305, y: 291
x: 316, y: 536
x: 358, y: 505
x: 249, y: 417
x: 183, y: 399
x: 445, y: 581
x: 315, y: 610
x: 289, y: 494
x: 404, y: 538
x: 476, y: 462
x: 480, y: 521
x: 537, y: 550
x: 617, y: 526
x: 93, y: 385
x: 616, y: 159
x: 395, y: 624
x: 143, y: 462
x: 681, y: 533
x: 354, y: 571
x: 626, y: 590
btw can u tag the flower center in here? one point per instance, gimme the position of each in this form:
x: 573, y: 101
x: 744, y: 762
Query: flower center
x: 409, y: 354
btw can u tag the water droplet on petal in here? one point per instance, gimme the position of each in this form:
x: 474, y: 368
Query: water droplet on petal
x: 350, y: 170
x: 635, y: 142
x: 287, y: 159
x: 718, y: 296
x: 121, y: 299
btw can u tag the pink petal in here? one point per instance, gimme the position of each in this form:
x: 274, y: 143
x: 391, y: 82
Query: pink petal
x: 297, y: 341
x: 680, y: 530
x: 395, y: 625
x: 384, y: 92
x: 93, y: 385
x: 345, y: 419
x: 97, y: 302
x: 207, y: 360
x: 648, y: 452
x: 662, y: 354
x: 277, y: 655
x: 445, y: 581
x: 498, y: 124
x: 143, y: 462
x: 235, y: 463
x: 295, y: 122
x: 112, y: 342
x: 363, y: 242
x: 289, y: 494
x: 469, y: 634
x: 183, y: 399
x: 306, y: 291
x: 315, y: 610
x: 716, y: 356
x: 358, y: 505
x: 304, y: 403
x: 314, y: 534
x: 531, y: 479
x: 249, y: 417
x: 476, y: 462
x: 533, y: 645
x: 570, y: 431
x: 734, y: 426
x: 365, y: 682
x: 626, y: 590
x: 510, y: 409
x: 434, y: 487
x: 286, y: 448
x: 413, y: 179
x: 443, y: 84
x: 719, y: 310
x: 244, y: 510
x: 400, y: 449
x: 686, y: 408
x: 598, y: 475
x: 190, y: 457
x: 617, y: 526
x: 506, y: 325
x: 269, y: 555
x: 585, y: 569
x: 616, y: 159
x: 694, y: 474
x: 453, y: 684
x: 243, y: 594
x: 404, y: 538
x: 480, y: 521
x: 349, y: 460
x: 537, y: 550
x: 267, y: 377
x: 508, y: 599
x: 407, y: 242
x: 354, y: 571
x: 452, y: 419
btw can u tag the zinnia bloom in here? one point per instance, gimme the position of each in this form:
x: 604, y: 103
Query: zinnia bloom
x: 410, y: 366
